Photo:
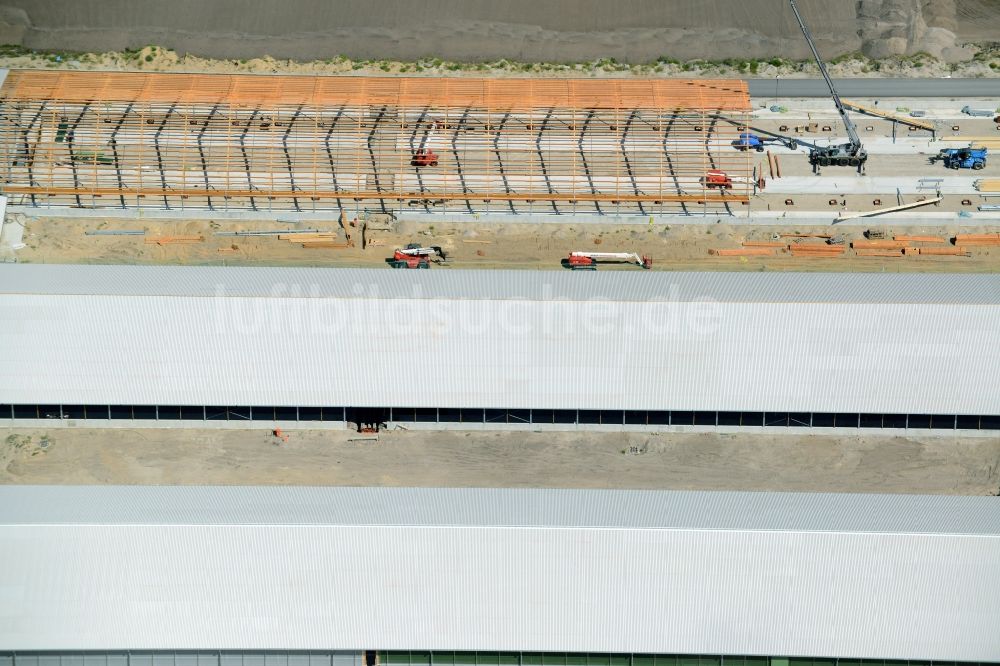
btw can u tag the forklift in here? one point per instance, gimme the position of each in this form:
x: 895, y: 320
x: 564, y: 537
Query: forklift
x: 962, y: 158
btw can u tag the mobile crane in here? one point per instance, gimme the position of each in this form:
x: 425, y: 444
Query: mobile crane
x: 846, y: 154
x: 587, y: 261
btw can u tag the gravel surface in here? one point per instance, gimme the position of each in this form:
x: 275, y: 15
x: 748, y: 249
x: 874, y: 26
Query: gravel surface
x: 787, y: 462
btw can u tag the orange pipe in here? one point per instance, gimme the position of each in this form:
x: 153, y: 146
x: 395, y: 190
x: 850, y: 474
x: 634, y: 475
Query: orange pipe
x: 742, y: 252
x: 878, y: 244
x: 945, y: 251
x: 879, y: 253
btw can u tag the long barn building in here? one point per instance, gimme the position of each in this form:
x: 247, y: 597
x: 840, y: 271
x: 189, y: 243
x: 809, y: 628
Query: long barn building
x: 229, y: 576
x: 616, y: 349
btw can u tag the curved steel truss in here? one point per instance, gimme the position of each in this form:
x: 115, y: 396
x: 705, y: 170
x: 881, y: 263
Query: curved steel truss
x: 101, y: 139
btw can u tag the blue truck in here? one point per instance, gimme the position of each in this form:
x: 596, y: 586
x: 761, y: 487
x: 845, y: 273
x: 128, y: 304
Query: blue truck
x: 963, y: 158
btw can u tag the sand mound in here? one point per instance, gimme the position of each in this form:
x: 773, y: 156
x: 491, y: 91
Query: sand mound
x: 478, y: 30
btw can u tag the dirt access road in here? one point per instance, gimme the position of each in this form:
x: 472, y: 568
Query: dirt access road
x: 928, y: 465
x: 477, y: 245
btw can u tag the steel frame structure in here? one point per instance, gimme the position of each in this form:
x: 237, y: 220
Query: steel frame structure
x: 103, y: 139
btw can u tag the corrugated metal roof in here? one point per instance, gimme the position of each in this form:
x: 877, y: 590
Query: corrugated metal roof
x: 494, y: 507
x: 84, y: 582
x: 553, y: 354
x: 242, y: 337
x: 616, y: 286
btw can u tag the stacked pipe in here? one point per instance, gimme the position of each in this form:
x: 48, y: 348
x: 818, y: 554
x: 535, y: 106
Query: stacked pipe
x: 942, y: 251
x: 965, y: 240
x: 815, y: 250
x: 876, y: 252
x: 879, y: 244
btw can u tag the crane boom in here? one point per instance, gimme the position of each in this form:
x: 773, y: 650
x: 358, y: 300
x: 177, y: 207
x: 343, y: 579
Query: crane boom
x: 852, y: 131
x: 589, y: 259
x: 848, y: 154
x: 415, y: 250
x: 630, y: 257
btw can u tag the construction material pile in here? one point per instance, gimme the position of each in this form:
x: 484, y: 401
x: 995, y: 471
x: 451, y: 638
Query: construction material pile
x: 875, y: 245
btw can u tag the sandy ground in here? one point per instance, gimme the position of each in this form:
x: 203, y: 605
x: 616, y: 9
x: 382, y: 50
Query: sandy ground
x: 473, y: 30
x: 472, y: 245
x: 935, y: 465
x: 932, y: 465
x: 740, y: 65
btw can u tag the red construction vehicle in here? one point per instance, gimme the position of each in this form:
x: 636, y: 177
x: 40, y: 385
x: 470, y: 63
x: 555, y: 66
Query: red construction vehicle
x: 587, y: 261
x: 415, y: 256
x: 716, y: 179
x: 424, y: 157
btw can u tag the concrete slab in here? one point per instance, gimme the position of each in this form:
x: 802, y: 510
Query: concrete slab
x: 860, y: 87
x: 762, y: 217
x: 835, y: 185
x: 11, y: 231
x: 936, y: 108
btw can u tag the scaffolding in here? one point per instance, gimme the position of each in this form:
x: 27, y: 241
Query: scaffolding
x: 308, y: 143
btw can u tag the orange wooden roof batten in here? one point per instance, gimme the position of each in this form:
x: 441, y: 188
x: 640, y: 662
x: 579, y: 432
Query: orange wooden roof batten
x: 254, y: 90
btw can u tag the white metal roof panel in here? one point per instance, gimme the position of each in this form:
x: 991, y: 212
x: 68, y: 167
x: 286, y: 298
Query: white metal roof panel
x: 740, y: 357
x: 358, y: 583
x: 555, y: 285
x: 497, y: 507
x: 157, y: 346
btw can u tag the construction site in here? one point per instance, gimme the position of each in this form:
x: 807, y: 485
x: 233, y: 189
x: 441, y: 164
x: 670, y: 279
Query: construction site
x: 501, y: 173
x: 484, y: 370
x: 148, y: 172
x: 320, y: 144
